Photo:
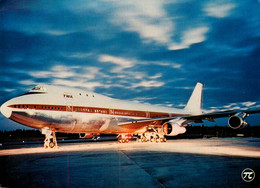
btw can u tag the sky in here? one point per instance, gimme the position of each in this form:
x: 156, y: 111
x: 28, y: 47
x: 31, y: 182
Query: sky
x: 148, y: 51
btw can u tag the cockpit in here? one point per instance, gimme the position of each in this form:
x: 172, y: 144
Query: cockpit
x: 37, y: 90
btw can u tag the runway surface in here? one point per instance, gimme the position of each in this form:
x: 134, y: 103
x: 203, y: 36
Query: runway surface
x: 177, y: 163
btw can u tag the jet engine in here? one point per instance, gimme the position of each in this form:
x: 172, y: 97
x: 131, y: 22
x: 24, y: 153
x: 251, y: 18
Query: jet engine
x: 237, y: 121
x: 172, y: 128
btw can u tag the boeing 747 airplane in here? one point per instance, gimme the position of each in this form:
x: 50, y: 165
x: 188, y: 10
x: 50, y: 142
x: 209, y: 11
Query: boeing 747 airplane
x: 59, y: 109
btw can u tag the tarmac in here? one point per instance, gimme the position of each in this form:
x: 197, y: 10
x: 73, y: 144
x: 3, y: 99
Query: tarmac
x: 176, y: 163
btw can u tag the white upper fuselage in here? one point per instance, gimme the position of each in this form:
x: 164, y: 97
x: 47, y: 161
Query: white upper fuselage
x: 72, y: 110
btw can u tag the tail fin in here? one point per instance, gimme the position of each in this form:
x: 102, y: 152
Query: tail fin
x: 194, y: 104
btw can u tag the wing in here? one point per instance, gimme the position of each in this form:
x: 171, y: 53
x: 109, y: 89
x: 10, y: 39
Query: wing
x: 212, y: 116
x: 139, y: 124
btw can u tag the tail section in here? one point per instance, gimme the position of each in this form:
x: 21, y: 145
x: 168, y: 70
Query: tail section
x: 194, y: 104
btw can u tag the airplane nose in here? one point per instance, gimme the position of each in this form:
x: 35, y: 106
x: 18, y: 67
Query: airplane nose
x: 5, y: 110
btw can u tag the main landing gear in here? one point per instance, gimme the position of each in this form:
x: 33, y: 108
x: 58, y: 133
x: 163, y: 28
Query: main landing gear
x: 143, y: 137
x: 50, y: 139
x: 122, y: 138
x: 151, y: 137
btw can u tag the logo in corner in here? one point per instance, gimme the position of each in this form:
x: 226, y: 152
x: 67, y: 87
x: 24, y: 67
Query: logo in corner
x: 248, y: 175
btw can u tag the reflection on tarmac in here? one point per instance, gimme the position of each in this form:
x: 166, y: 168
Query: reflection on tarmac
x: 177, y: 163
x: 224, y: 147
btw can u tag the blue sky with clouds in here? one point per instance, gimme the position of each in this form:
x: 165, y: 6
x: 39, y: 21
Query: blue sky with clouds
x: 149, y: 51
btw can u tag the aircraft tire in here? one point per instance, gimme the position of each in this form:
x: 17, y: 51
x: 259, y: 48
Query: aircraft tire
x: 51, y: 144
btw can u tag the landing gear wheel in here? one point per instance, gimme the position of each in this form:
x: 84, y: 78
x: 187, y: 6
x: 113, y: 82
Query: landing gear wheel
x: 52, y: 144
x: 164, y: 139
x: 126, y: 140
x: 157, y: 140
x: 161, y: 139
x: 119, y: 140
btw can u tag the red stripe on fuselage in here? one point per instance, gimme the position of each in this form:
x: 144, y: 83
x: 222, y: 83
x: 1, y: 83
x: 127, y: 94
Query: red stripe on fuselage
x: 108, y: 111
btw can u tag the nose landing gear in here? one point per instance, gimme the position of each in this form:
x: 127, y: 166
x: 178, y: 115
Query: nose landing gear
x: 50, y: 139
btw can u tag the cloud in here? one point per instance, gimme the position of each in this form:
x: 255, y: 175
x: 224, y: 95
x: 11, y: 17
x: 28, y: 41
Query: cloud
x: 143, y: 99
x: 168, y: 64
x: 218, y: 9
x: 56, y: 32
x: 176, y: 66
x: 58, y: 71
x: 91, y: 73
x: 73, y: 76
x: 191, y: 36
x: 27, y: 82
x: 77, y: 83
x: 121, y: 63
x: 9, y: 90
x: 77, y: 55
x: 148, y: 18
x: 148, y: 84
x: 159, y: 75
x: 248, y: 104
x: 40, y: 74
x: 234, y: 106
x: 186, y: 88
x: 151, y: 21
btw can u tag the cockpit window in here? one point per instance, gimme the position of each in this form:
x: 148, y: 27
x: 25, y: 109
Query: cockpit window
x: 39, y: 88
x: 36, y: 90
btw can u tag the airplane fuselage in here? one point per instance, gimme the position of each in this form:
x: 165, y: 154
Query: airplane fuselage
x: 62, y: 109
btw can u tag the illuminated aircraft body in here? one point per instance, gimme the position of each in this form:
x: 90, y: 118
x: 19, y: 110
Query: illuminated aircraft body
x: 60, y: 109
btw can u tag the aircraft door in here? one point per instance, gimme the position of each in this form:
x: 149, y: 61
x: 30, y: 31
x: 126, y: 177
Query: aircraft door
x: 69, y: 107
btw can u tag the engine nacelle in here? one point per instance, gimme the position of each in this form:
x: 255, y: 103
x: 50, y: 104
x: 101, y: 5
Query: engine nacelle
x: 170, y: 129
x: 237, y: 121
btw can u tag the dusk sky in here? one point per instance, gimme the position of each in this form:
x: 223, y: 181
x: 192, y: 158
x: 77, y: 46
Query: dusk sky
x: 149, y: 51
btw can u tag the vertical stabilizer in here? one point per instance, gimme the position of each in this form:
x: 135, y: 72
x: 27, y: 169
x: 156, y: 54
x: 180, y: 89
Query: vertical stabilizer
x: 194, y: 104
